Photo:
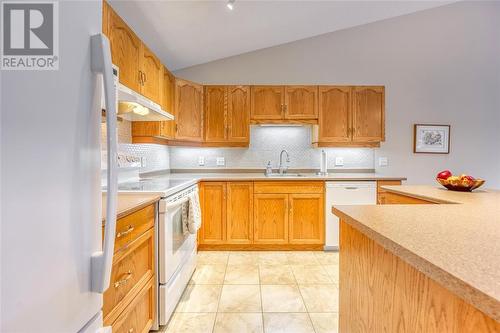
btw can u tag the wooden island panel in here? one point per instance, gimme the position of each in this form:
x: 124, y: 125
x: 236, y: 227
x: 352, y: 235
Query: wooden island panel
x: 379, y: 292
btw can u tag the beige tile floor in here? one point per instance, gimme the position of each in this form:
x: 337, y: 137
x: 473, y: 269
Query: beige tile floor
x: 260, y: 292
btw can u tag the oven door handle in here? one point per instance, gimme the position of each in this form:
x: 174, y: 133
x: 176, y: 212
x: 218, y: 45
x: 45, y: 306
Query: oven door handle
x: 171, y: 205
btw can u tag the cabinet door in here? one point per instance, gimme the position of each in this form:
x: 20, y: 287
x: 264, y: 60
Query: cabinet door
x: 213, y: 212
x: 301, y: 102
x: 334, y: 114
x: 368, y: 124
x: 267, y: 102
x: 215, y: 113
x: 239, y: 212
x: 105, y: 18
x: 306, y: 218
x: 271, y: 218
x: 188, y: 111
x: 167, y: 128
x: 238, y: 113
x: 152, y: 75
x: 125, y: 50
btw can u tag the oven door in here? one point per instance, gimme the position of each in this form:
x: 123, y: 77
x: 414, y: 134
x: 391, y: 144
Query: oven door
x: 174, y: 245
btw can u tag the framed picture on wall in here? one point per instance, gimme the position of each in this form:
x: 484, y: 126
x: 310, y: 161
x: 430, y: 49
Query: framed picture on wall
x: 431, y: 139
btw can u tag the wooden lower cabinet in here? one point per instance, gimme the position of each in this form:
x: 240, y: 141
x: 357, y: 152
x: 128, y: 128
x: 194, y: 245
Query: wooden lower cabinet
x: 390, y: 198
x: 140, y: 314
x: 381, y: 192
x: 239, y: 215
x: 213, y: 213
x: 262, y: 215
x: 271, y: 218
x: 129, y: 302
x: 306, y: 218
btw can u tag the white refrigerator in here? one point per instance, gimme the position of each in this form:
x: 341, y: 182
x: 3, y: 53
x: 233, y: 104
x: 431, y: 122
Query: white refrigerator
x: 54, y: 265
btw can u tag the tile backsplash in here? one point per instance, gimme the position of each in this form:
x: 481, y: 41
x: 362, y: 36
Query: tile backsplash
x: 266, y: 142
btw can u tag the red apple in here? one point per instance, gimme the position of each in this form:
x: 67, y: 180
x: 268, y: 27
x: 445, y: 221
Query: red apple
x: 444, y: 174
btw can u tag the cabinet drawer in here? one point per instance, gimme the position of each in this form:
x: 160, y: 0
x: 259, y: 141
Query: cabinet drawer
x: 289, y: 187
x: 131, y: 226
x: 131, y: 270
x: 138, y: 316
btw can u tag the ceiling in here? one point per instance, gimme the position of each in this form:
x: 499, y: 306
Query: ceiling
x: 187, y: 33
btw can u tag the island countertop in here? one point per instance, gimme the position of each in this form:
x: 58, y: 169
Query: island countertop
x: 456, y: 243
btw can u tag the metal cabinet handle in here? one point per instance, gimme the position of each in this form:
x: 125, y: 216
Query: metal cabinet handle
x: 126, y: 232
x: 123, y: 281
x: 145, y: 77
x: 131, y: 330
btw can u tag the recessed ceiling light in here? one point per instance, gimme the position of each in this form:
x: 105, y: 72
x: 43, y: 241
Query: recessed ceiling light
x: 230, y: 4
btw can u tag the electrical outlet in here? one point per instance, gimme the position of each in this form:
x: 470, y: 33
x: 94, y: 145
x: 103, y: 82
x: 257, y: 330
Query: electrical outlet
x: 339, y: 161
x: 221, y: 161
x: 383, y: 162
x: 201, y: 160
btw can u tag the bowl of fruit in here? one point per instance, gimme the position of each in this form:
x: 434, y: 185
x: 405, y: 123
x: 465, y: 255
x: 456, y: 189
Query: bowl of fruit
x: 463, y: 183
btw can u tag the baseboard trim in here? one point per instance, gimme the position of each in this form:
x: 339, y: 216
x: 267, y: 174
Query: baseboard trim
x: 332, y: 248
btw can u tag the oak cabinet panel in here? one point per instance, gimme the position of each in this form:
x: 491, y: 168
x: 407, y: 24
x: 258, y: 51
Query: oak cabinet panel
x: 167, y: 129
x: 271, y: 218
x: 238, y: 113
x: 215, y: 113
x: 140, y: 315
x: 267, y: 102
x: 239, y: 212
x: 301, y: 102
x: 189, y: 111
x: 306, y: 218
x: 151, y: 74
x: 334, y: 113
x: 213, y: 212
x: 125, y: 50
x: 368, y: 114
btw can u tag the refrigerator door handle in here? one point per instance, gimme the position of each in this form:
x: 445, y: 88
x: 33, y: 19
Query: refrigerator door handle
x: 101, y: 261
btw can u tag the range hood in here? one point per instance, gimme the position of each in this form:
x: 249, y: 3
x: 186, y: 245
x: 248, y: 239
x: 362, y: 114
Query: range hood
x: 135, y: 107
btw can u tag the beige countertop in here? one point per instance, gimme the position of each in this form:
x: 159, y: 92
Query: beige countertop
x: 129, y: 203
x: 227, y: 176
x: 456, y: 243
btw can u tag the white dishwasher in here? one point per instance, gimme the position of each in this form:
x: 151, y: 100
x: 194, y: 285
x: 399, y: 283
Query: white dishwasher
x: 345, y: 193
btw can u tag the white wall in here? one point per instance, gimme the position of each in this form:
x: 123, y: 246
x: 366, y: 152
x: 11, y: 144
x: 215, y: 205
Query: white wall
x: 439, y: 66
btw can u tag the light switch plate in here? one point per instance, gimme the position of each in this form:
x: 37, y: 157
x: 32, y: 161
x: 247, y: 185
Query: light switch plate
x: 383, y: 162
x: 339, y: 161
x: 221, y: 161
x: 201, y: 160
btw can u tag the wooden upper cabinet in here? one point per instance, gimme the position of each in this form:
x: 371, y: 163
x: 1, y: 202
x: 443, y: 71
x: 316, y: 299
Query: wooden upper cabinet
x: 213, y: 212
x: 215, y: 113
x: 368, y: 114
x: 306, y: 218
x: 334, y: 113
x: 301, y: 102
x: 105, y: 18
x: 238, y: 113
x: 267, y: 102
x: 239, y: 213
x: 151, y: 74
x: 125, y: 50
x: 271, y: 218
x: 188, y: 111
x: 167, y: 128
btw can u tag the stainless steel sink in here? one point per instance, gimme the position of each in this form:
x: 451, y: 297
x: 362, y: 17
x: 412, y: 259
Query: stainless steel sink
x: 284, y: 175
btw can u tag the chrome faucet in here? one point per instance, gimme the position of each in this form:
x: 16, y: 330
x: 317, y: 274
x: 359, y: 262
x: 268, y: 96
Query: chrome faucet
x: 283, y: 169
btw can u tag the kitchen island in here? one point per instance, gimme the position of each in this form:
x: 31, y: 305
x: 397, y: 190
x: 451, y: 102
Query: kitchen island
x: 421, y: 267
